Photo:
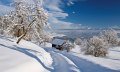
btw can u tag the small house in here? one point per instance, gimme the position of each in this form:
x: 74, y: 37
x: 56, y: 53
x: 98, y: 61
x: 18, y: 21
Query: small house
x: 58, y: 43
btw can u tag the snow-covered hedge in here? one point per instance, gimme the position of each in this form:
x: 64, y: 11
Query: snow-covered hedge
x: 68, y: 46
x: 110, y: 36
x: 95, y: 46
x: 78, y: 41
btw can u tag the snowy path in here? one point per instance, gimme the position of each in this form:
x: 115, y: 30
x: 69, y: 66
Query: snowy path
x: 61, y: 63
x: 87, y: 66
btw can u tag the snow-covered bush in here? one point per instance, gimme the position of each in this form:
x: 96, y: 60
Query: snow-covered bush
x: 4, y: 23
x: 46, y: 39
x: 68, y: 46
x: 78, y: 41
x: 95, y: 46
x: 118, y: 41
x: 110, y: 36
x: 1, y: 25
x: 84, y: 45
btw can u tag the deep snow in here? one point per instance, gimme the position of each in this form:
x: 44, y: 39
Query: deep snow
x: 61, y: 63
x: 112, y: 61
x: 88, y: 63
x: 28, y: 57
x: 23, y: 57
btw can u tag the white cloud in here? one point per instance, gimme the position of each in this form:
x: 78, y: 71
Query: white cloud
x: 59, y: 24
x: 69, y: 3
x: 5, y: 9
x: 56, y: 13
x: 53, y: 5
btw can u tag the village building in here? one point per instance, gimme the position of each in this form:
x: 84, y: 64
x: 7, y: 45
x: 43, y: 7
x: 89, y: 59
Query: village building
x: 58, y: 43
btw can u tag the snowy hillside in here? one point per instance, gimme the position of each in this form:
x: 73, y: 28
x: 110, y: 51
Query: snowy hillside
x: 59, y: 36
x: 25, y: 57
x: 28, y: 57
x: 112, y: 61
x: 75, y: 61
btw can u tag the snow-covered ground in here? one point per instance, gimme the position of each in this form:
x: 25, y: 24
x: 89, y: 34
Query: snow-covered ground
x: 23, y: 57
x: 112, y: 61
x: 28, y: 57
x: 88, y: 63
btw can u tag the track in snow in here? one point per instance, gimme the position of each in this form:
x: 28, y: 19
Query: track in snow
x: 62, y: 63
x: 87, y: 66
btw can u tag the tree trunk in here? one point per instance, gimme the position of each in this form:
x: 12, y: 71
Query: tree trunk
x: 21, y: 37
x: 24, y: 34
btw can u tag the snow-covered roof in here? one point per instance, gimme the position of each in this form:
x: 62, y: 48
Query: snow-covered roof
x: 58, y: 41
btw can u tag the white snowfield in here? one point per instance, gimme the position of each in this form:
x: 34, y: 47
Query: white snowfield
x: 112, y: 61
x: 28, y: 57
x: 23, y: 57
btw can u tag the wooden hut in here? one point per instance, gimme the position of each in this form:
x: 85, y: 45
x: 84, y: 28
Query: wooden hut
x: 58, y: 43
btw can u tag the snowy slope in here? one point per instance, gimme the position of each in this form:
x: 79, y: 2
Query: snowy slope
x: 28, y: 57
x: 25, y: 57
x: 112, y: 61
x: 76, y: 62
x: 61, y: 63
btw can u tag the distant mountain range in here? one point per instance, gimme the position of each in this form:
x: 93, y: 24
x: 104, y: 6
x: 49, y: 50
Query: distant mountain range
x: 116, y: 28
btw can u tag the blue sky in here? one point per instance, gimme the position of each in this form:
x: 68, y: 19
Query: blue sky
x: 94, y: 13
x: 6, y: 2
x: 75, y: 14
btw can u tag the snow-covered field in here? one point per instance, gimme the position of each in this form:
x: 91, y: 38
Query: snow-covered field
x: 28, y: 57
x: 87, y: 63
x: 23, y: 57
x: 112, y: 61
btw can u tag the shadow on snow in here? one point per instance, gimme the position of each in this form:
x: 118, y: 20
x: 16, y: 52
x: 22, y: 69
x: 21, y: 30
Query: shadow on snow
x: 28, y: 52
x: 87, y: 66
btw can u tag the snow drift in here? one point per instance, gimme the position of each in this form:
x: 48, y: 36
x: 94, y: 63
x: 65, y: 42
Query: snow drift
x: 25, y: 57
